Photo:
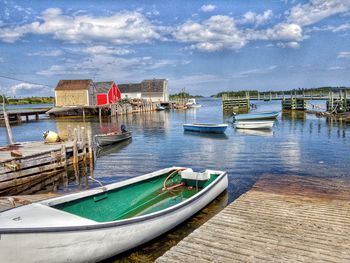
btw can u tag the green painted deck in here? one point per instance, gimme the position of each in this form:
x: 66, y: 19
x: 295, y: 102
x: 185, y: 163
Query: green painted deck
x: 132, y: 200
x: 281, y: 219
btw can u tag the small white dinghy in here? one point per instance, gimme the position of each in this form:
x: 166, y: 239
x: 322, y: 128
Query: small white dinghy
x: 254, y: 124
x: 96, y: 224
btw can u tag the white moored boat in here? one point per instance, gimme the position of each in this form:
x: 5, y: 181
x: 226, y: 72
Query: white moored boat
x: 97, y: 224
x: 254, y: 124
x: 191, y: 103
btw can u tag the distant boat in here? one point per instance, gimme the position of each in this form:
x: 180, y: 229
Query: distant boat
x: 96, y: 224
x: 112, y: 137
x: 160, y: 108
x: 205, y: 127
x: 257, y: 116
x: 254, y: 124
x: 191, y: 103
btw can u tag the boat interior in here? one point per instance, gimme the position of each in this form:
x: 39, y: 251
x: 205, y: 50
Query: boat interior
x: 141, y: 198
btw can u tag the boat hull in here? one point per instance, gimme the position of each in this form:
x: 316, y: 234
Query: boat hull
x: 254, y: 124
x: 257, y: 116
x: 103, y: 140
x: 205, y: 128
x: 91, y: 244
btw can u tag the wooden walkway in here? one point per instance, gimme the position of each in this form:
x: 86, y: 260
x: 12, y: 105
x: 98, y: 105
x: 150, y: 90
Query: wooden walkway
x: 16, y: 114
x: 282, y: 219
x: 9, y: 202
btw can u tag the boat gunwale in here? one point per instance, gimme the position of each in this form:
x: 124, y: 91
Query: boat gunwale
x: 111, y: 224
x: 206, y: 125
x: 128, y: 133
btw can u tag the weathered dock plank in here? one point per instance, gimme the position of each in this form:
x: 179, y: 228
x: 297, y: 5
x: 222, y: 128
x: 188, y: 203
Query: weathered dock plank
x: 8, y: 202
x: 281, y: 219
x: 38, y: 162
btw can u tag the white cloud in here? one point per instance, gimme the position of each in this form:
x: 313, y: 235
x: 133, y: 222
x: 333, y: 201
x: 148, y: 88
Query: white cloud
x: 216, y: 33
x: 256, y: 19
x: 106, y: 66
x: 207, y: 8
x: 119, y: 28
x: 27, y: 89
x: 316, y: 10
x: 335, y: 68
x: 257, y: 71
x: 221, y: 32
x: 344, y: 54
x: 49, y: 53
x: 99, y: 49
x: 292, y: 44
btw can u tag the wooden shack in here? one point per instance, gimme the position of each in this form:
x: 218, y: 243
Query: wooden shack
x: 130, y: 91
x: 155, y: 89
x: 107, y: 93
x: 75, y: 93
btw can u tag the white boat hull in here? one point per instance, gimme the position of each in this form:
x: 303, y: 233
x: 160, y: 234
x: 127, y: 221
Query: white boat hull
x: 254, y: 124
x: 95, y: 244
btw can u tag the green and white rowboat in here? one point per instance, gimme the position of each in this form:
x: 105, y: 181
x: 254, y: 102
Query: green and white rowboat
x: 97, y: 224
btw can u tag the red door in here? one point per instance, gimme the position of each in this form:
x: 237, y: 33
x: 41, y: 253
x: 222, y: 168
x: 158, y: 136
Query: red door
x: 102, y: 99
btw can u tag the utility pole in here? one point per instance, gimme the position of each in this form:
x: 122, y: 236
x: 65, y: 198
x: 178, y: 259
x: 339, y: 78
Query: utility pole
x: 7, y: 123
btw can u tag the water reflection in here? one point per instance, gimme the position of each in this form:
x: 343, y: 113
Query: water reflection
x: 252, y: 132
x: 113, y: 148
x: 212, y: 136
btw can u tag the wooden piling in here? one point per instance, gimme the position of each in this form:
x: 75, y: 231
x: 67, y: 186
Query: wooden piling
x: 75, y: 147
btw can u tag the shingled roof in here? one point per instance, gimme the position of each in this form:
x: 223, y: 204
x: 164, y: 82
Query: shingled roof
x: 103, y: 87
x: 130, y: 88
x: 74, y: 84
x: 152, y: 85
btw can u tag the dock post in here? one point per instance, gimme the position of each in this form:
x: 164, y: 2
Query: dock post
x: 64, y: 156
x: 7, y: 123
x: 83, y: 142
x: 91, y: 155
x: 75, y: 147
x: 27, y: 117
x: 37, y: 116
x: 83, y: 114
x: 79, y: 134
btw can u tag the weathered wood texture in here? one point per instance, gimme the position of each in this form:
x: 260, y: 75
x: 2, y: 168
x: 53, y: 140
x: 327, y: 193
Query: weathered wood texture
x: 294, y: 103
x: 39, y: 161
x: 236, y: 105
x: 9, y: 202
x: 282, y: 219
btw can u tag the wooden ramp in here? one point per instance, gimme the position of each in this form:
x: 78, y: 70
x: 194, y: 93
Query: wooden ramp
x: 282, y: 219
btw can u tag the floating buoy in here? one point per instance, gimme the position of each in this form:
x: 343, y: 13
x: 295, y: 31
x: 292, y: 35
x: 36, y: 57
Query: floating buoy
x: 50, y: 136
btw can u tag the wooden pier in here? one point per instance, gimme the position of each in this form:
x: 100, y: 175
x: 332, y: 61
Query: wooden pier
x: 281, y: 219
x: 15, y: 115
x: 338, y: 104
x: 24, y: 165
x: 294, y: 103
x: 241, y: 105
x: 123, y: 107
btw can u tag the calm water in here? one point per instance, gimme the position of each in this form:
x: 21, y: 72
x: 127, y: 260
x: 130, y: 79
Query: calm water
x: 299, y: 144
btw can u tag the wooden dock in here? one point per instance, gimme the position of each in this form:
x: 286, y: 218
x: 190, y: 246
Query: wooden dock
x: 15, y: 115
x: 281, y: 219
x: 24, y: 165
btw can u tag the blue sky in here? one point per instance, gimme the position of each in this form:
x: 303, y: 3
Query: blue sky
x: 202, y: 46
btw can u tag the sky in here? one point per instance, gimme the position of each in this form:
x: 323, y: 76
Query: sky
x: 203, y: 47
